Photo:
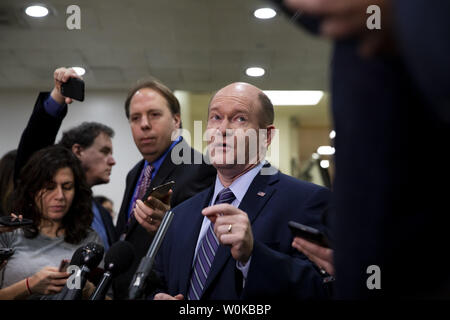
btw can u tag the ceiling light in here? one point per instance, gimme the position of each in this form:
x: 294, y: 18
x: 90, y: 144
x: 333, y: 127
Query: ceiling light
x: 325, y: 150
x: 315, y: 156
x: 324, y: 164
x: 255, y: 72
x: 36, y: 11
x: 294, y: 98
x: 79, y: 70
x: 265, y: 13
x: 332, y: 134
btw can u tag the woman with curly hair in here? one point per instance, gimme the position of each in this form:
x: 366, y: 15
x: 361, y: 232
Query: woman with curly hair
x: 52, y: 192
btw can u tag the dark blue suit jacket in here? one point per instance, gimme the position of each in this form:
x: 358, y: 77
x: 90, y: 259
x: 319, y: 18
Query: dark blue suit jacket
x: 276, y: 270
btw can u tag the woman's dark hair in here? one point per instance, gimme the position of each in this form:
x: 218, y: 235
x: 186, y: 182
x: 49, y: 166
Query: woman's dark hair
x: 37, y: 174
x: 6, y: 181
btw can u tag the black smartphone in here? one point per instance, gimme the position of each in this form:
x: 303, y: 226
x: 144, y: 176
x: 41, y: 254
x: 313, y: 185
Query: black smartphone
x: 5, y: 253
x: 308, y: 233
x: 73, y: 88
x: 160, y: 191
x: 63, y: 265
x: 9, y: 221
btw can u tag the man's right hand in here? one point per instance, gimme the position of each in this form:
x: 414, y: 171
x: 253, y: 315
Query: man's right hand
x: 60, y: 76
x: 48, y: 281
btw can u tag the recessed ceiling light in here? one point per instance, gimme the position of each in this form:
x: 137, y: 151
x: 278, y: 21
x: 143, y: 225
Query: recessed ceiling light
x: 294, y: 97
x: 36, y: 11
x: 255, y: 72
x: 332, y: 134
x: 79, y: 70
x: 265, y: 13
x: 325, y: 150
x: 324, y: 164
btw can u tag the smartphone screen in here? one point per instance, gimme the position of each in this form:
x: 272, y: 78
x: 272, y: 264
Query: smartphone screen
x: 160, y: 191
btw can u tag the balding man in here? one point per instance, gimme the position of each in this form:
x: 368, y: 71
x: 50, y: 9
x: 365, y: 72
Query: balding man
x: 232, y: 240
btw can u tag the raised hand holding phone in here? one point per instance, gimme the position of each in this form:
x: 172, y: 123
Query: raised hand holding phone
x: 63, y: 76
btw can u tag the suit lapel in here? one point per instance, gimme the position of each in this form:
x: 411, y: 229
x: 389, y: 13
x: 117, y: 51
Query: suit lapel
x: 128, y: 195
x: 259, y: 192
x: 256, y: 197
x: 193, y: 224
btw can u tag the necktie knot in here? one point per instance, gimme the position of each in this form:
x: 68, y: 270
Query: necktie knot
x: 225, y: 196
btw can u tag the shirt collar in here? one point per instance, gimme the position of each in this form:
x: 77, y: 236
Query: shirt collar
x: 240, y: 186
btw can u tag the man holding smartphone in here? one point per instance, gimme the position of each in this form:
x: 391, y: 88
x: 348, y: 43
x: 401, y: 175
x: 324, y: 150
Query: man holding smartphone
x: 153, y: 113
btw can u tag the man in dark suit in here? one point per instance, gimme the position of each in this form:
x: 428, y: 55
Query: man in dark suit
x: 232, y: 240
x: 90, y: 142
x: 390, y: 105
x: 153, y: 112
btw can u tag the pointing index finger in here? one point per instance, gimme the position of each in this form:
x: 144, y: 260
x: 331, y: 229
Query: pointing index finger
x: 220, y: 209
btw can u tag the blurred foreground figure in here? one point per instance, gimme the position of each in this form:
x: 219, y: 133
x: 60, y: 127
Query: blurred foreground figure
x: 391, y: 109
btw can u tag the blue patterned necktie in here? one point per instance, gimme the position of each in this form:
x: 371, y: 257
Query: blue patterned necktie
x: 206, y: 252
x: 142, y: 188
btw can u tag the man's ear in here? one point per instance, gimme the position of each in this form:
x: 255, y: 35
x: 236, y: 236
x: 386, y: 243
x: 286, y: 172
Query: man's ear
x: 77, y: 149
x: 269, y: 134
x: 177, y: 120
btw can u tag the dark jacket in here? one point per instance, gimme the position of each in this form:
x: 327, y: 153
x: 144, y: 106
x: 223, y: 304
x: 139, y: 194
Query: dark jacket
x: 189, y: 180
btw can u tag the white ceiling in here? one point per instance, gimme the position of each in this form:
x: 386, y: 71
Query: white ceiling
x: 195, y: 45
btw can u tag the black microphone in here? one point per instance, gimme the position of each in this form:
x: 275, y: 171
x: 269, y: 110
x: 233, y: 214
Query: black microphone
x: 85, y: 258
x: 118, y: 259
x: 137, y: 285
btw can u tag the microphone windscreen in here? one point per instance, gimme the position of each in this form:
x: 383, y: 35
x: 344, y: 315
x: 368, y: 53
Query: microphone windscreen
x: 92, y: 254
x: 119, y: 257
x: 77, y: 257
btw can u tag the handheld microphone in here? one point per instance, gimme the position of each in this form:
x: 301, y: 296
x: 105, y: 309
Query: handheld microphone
x: 117, y: 260
x: 86, y: 258
x: 138, y: 283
